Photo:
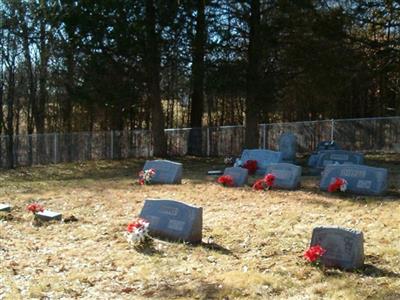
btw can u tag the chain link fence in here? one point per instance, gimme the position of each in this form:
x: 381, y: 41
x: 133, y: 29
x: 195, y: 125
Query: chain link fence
x: 372, y: 134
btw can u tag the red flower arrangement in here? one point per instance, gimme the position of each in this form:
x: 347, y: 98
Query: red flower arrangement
x: 138, y: 231
x: 265, y: 183
x: 314, y: 253
x: 339, y: 184
x: 251, y: 166
x: 35, y: 208
x: 226, y: 180
x: 146, y: 176
x: 269, y: 179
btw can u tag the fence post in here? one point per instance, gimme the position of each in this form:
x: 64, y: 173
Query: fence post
x: 208, y: 141
x: 55, y: 148
x: 332, y: 129
x: 112, y: 144
x: 264, y: 136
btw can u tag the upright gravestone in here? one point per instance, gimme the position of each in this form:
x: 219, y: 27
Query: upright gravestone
x: 263, y: 158
x: 329, y: 157
x: 173, y: 220
x: 288, y: 147
x: 287, y: 176
x: 5, y: 207
x: 322, y: 146
x: 360, y: 179
x: 239, y: 175
x: 166, y: 171
x: 344, y: 247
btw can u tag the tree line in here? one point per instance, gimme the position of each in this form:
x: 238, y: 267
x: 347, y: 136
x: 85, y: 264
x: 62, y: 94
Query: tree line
x: 76, y: 65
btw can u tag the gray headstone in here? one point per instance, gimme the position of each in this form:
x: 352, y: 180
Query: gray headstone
x: 48, y: 215
x: 238, y: 174
x: 328, y: 157
x: 361, y: 179
x: 328, y: 145
x: 288, y: 146
x: 263, y: 158
x: 5, y: 207
x: 166, y: 171
x: 173, y: 220
x: 344, y: 247
x: 287, y: 176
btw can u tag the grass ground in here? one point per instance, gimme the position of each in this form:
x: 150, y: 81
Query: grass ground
x: 259, y: 237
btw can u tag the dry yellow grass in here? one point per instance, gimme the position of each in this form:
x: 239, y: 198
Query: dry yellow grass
x: 261, y: 238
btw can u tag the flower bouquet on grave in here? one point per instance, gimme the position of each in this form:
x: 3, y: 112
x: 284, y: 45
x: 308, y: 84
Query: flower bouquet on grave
x: 146, y: 176
x: 34, y: 208
x: 339, y: 184
x: 226, y: 180
x: 137, y: 232
x: 251, y: 166
x: 229, y: 160
x: 314, y: 254
x: 265, y: 183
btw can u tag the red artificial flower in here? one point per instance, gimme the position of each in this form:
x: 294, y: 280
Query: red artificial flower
x: 139, y: 224
x: 251, y: 166
x: 269, y: 179
x: 35, y: 207
x: 259, y: 185
x: 313, y: 253
x: 226, y: 180
x: 336, y: 185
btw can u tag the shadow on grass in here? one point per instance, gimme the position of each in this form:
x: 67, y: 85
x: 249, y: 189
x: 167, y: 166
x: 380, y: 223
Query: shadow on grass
x: 370, y: 270
x: 217, y: 248
x: 148, y: 249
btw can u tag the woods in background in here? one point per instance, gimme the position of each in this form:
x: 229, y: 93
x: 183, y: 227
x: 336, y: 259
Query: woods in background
x: 120, y: 65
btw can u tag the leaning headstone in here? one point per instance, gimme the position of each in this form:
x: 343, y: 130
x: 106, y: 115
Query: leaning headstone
x: 173, y: 220
x: 344, y: 247
x: 288, y: 147
x: 5, y: 207
x: 329, y: 157
x: 238, y: 174
x: 48, y: 215
x: 166, y: 171
x: 360, y: 179
x: 287, y: 176
x: 263, y: 158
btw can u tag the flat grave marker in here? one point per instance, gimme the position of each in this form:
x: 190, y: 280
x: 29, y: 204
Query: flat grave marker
x: 288, y: 146
x: 287, y: 175
x: 344, y: 247
x: 239, y: 175
x: 167, y: 171
x: 215, y: 172
x: 263, y: 158
x: 173, y: 220
x: 48, y: 215
x: 360, y: 179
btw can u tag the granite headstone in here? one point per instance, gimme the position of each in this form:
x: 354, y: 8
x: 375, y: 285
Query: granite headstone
x: 287, y: 175
x: 168, y: 172
x: 48, y: 215
x: 360, y: 179
x: 263, y: 158
x: 322, y: 146
x: 329, y: 157
x: 239, y: 175
x: 5, y: 207
x: 288, y: 147
x: 173, y: 220
x: 344, y: 247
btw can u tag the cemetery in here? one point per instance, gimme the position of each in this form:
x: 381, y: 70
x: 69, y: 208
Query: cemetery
x: 207, y: 241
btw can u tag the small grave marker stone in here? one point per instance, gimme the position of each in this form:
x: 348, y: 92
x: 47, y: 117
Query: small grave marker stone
x: 173, y: 220
x: 263, y: 158
x: 48, y: 215
x: 215, y: 172
x: 238, y: 174
x: 5, y: 207
x: 287, y: 175
x: 344, y: 247
x: 166, y: 171
x: 322, y: 146
x: 288, y: 147
x: 329, y: 157
x: 360, y: 179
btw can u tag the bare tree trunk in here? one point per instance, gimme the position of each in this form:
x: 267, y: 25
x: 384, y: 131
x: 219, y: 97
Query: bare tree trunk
x: 253, y: 77
x: 153, y: 81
